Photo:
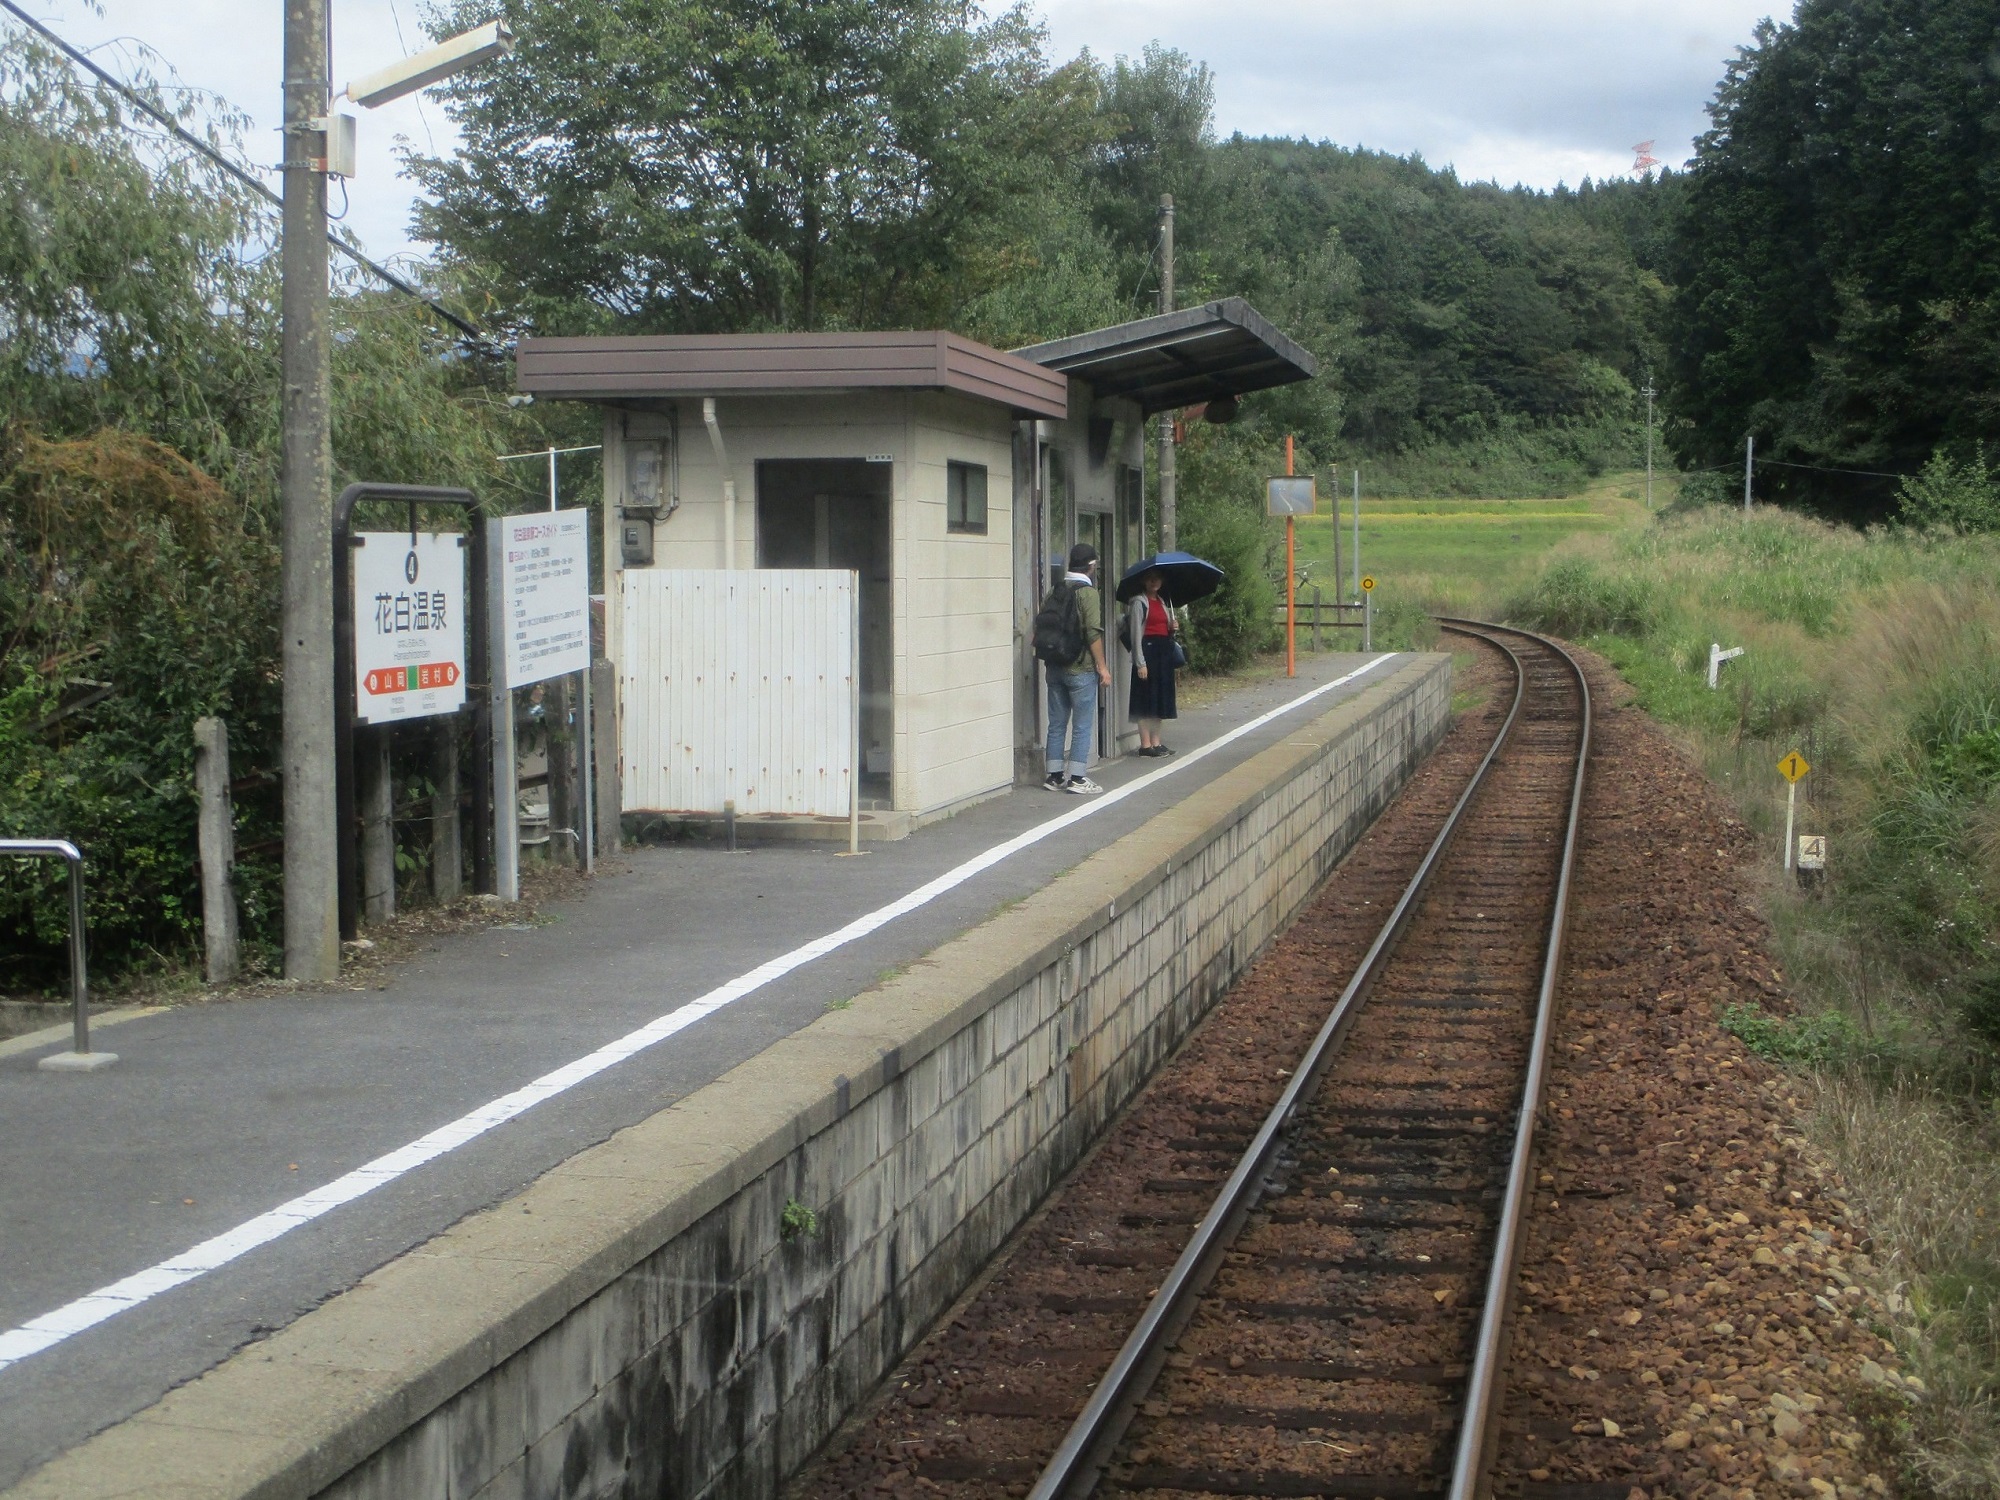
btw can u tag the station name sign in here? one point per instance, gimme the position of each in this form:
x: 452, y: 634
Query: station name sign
x: 409, y: 625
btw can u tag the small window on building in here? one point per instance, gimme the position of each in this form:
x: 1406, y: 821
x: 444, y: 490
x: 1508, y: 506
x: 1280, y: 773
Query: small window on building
x: 965, y: 498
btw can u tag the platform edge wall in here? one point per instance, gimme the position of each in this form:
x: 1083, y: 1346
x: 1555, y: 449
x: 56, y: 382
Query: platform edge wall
x: 649, y: 1325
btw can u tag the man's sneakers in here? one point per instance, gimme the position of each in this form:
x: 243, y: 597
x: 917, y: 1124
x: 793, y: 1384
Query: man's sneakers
x: 1076, y: 786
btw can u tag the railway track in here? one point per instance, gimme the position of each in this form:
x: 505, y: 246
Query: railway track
x: 1335, y: 1325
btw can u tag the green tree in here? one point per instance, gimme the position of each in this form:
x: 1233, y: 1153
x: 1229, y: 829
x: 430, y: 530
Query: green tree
x: 1837, y: 290
x: 685, y: 165
x: 139, y: 401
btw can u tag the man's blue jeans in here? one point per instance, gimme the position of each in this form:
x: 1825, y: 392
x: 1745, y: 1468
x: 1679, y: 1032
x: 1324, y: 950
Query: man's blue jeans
x: 1072, y: 711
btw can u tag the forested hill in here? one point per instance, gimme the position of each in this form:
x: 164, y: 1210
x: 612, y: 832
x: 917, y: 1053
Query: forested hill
x: 899, y: 167
x: 1467, y: 326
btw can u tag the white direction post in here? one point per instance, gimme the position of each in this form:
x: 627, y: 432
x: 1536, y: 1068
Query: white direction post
x: 540, y: 593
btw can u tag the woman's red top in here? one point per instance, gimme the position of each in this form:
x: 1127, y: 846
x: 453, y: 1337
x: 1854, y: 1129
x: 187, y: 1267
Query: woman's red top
x: 1157, y: 621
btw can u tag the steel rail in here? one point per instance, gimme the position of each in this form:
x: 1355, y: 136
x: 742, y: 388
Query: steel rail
x: 1087, y: 1447
x: 1479, y: 1415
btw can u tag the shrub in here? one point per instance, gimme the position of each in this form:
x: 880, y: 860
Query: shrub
x: 1234, y: 623
x: 1962, y: 496
x: 1704, y: 488
x: 133, y: 600
x: 1574, y: 598
x: 1813, y: 1041
x: 1221, y: 518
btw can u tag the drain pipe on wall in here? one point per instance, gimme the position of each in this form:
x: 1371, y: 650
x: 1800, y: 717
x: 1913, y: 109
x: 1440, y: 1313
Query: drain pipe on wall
x: 728, y: 481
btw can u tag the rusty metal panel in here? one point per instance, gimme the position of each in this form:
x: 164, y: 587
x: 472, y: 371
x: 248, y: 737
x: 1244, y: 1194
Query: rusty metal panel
x: 738, y: 686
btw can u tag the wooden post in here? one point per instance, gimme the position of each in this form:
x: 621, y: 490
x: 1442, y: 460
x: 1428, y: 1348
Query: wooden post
x: 447, y: 871
x: 375, y: 796
x: 217, y: 843
x: 604, y: 747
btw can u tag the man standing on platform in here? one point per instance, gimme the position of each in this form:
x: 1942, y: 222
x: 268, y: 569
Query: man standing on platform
x: 1073, y: 685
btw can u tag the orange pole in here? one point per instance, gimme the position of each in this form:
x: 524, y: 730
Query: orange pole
x: 1291, y: 580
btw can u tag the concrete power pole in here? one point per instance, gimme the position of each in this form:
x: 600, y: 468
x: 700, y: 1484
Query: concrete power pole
x: 312, y: 906
x: 1168, y: 478
x: 1749, y: 461
x: 1650, y: 394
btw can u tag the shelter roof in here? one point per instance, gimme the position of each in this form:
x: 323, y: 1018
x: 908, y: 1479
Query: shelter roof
x: 638, y: 368
x: 1223, y: 348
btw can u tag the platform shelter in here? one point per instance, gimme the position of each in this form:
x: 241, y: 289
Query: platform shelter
x: 1086, y: 478
x: 888, y: 454
x: 952, y: 478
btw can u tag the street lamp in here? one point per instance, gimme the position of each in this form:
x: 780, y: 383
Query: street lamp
x: 312, y: 902
x: 373, y: 90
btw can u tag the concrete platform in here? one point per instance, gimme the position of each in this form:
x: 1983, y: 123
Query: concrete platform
x: 217, y: 1117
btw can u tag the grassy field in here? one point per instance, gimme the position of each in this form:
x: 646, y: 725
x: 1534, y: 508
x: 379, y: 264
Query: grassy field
x: 1464, y: 555
x: 1877, y: 654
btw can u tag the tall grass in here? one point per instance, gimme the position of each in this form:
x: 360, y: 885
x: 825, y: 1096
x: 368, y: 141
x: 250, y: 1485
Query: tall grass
x: 1878, y: 656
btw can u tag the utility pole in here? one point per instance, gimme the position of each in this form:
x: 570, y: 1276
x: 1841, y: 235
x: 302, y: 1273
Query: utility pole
x: 312, y: 903
x: 1167, y: 475
x: 1650, y: 393
x: 1749, y: 461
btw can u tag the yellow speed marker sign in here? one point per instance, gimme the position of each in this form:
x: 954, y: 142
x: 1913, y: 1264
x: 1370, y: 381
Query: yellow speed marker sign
x: 1368, y: 584
x: 1793, y: 766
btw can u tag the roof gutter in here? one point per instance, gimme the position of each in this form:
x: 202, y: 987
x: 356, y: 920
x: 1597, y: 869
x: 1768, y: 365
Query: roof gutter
x: 728, y: 481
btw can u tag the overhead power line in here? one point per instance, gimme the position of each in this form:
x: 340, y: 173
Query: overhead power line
x: 1830, y: 469
x: 472, y: 331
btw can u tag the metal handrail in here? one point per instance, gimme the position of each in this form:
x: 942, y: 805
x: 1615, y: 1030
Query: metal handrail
x: 1086, y: 1447
x: 78, y: 984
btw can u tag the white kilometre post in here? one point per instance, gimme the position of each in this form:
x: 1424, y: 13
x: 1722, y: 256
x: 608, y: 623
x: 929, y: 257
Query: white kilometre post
x: 1791, y: 816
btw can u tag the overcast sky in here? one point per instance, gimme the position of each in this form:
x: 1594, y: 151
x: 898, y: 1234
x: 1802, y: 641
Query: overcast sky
x: 1530, y: 91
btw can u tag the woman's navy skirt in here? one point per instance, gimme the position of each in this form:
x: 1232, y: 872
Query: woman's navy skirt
x: 1153, y: 695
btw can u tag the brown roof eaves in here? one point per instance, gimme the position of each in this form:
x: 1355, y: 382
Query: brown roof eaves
x: 652, y: 367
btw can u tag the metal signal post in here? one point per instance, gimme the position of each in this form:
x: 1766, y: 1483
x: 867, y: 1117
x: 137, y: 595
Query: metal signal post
x: 1291, y: 579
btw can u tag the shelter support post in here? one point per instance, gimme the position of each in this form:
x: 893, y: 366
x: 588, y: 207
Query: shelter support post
x: 500, y: 726
x: 586, y: 763
x: 375, y: 791
x: 608, y: 797
x: 562, y: 747
x: 447, y: 878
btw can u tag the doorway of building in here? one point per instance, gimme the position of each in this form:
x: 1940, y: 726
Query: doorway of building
x: 834, y: 513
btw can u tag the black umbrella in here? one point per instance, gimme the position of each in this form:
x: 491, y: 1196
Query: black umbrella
x: 1188, y: 577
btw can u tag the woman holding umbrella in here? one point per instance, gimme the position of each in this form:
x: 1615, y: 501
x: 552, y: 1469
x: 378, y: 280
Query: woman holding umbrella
x: 1149, y: 591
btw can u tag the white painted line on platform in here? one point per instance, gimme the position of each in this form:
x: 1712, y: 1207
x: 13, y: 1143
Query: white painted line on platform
x: 52, y: 1328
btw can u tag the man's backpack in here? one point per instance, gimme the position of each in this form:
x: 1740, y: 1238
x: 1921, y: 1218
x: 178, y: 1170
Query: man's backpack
x: 1058, y: 635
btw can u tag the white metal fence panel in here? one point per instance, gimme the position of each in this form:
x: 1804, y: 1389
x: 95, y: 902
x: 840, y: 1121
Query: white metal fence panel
x: 738, y: 686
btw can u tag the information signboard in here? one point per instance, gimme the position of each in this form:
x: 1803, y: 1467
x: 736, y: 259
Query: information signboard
x: 544, y: 569
x: 409, y: 625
